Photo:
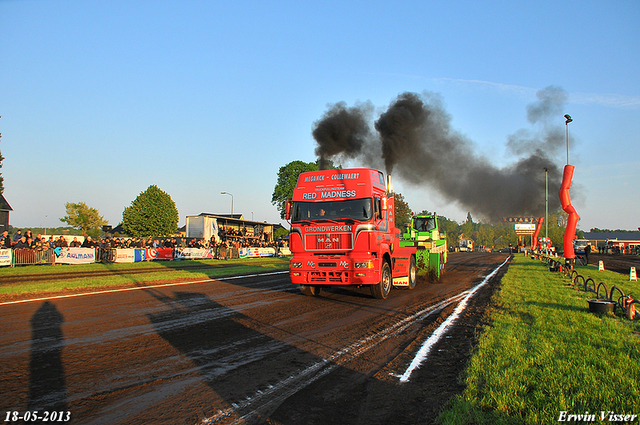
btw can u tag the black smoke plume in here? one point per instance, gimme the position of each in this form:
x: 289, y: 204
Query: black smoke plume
x: 344, y: 132
x: 414, y: 141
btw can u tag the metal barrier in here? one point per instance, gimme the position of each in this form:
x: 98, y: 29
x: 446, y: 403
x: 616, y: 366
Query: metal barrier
x: 107, y: 255
x: 226, y: 253
x: 27, y: 256
x: 629, y: 306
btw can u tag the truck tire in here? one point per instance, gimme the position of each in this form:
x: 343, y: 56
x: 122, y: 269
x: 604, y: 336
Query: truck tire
x: 310, y: 291
x: 413, y: 271
x: 381, y: 289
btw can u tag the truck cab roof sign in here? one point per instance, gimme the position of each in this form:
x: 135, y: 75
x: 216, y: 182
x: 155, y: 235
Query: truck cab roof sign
x: 345, y: 176
x: 338, y: 184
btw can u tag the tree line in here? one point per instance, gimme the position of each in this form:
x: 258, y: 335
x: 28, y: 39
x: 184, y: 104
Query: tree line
x: 152, y: 213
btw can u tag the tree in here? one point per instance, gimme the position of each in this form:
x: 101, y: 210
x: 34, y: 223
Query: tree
x: 83, y: 217
x: 152, y: 213
x: 280, y: 232
x: 468, y: 228
x: 402, y: 211
x: 557, y: 227
x: 451, y: 229
x: 287, y: 180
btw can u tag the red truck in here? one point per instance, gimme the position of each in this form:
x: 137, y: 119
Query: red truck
x: 343, y: 233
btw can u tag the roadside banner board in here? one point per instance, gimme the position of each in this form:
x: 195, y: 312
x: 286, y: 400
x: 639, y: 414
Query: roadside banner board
x: 257, y: 252
x: 5, y: 257
x: 125, y: 255
x: 160, y: 253
x: 130, y: 255
x: 139, y: 254
x: 192, y: 253
x: 285, y: 251
x: 76, y: 256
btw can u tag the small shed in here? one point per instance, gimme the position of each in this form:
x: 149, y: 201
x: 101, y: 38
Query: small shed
x: 5, y: 208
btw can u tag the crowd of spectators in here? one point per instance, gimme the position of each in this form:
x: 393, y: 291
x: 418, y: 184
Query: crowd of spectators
x: 227, y: 238
x: 39, y: 242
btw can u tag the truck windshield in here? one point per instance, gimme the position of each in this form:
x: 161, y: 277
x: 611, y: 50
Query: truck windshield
x: 352, y: 209
x: 422, y: 224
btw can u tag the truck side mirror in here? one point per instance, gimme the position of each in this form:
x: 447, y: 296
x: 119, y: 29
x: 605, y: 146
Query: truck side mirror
x: 288, y: 209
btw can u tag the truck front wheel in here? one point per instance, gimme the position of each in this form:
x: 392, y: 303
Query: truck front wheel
x: 310, y: 291
x: 381, y: 289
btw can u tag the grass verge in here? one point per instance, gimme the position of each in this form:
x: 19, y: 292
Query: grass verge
x: 26, y: 280
x: 543, y: 353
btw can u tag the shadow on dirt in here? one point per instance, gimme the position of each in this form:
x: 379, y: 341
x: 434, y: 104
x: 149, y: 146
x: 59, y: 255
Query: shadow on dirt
x: 47, y: 388
x: 240, y: 364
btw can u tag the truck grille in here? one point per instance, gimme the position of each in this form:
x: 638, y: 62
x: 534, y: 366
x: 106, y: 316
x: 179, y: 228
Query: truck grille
x: 329, y: 277
x: 328, y: 241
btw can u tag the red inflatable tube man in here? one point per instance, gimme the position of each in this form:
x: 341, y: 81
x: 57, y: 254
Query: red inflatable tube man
x: 572, y: 222
x: 535, y: 236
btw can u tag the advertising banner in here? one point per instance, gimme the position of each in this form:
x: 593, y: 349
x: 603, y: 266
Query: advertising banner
x: 130, y: 255
x: 160, y: 253
x: 192, y: 253
x: 285, y: 251
x: 257, y: 252
x: 5, y: 257
x: 125, y: 255
x: 139, y: 254
x: 76, y: 256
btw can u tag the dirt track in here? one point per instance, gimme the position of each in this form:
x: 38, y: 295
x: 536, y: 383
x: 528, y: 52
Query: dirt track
x: 244, y: 350
x: 616, y: 263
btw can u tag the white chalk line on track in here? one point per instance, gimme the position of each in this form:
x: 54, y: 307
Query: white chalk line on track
x: 444, y: 326
x: 268, y: 399
x: 263, y: 401
x: 139, y: 288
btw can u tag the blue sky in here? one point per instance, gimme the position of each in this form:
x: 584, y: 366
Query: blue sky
x: 99, y: 100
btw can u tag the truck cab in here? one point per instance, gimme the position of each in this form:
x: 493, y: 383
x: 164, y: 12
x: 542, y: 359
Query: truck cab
x: 343, y: 233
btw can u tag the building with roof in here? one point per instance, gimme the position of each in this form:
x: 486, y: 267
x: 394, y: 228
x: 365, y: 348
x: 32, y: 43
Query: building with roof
x: 624, y: 241
x: 5, y: 208
x: 207, y: 225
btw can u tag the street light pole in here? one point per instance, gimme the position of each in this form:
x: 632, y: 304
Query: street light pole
x: 546, y: 211
x: 227, y: 193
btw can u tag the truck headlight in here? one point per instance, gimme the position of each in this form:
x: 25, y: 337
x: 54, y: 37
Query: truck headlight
x: 363, y: 265
x: 296, y: 265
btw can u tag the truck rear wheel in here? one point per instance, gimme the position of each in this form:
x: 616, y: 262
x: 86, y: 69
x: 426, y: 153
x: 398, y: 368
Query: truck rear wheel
x: 310, y: 291
x: 381, y: 289
x: 412, y: 272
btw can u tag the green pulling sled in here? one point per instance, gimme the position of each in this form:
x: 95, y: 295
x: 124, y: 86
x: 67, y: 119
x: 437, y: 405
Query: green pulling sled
x: 424, y: 233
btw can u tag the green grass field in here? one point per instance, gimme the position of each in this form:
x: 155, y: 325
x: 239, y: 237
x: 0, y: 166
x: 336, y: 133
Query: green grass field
x: 544, y: 353
x: 118, y: 273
